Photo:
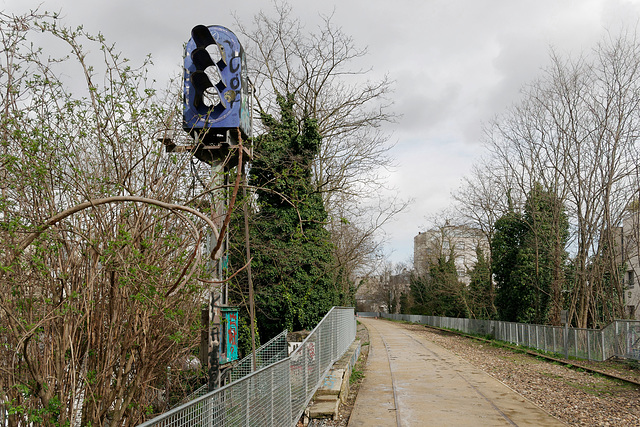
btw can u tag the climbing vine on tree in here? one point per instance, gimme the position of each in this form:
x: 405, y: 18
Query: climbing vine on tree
x: 290, y: 247
x: 529, y: 259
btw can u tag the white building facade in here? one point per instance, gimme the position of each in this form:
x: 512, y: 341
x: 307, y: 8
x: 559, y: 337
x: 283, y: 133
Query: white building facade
x: 630, y: 249
x: 461, y: 241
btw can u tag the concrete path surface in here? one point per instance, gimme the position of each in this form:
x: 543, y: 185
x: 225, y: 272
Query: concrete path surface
x: 410, y: 381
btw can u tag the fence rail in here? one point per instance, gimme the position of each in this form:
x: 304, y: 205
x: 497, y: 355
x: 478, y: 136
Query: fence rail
x: 275, y: 395
x: 621, y: 338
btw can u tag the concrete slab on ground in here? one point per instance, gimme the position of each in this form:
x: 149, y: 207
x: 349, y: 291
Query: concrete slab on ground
x: 324, y: 409
x: 410, y: 381
x: 332, y: 383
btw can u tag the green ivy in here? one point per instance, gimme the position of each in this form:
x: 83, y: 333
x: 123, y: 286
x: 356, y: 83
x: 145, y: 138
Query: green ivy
x: 291, y: 249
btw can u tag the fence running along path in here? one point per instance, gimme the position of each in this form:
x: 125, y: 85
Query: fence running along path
x: 621, y: 338
x: 277, y: 394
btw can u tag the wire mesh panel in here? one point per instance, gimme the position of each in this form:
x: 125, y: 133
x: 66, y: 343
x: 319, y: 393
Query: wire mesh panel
x: 545, y: 338
x: 277, y: 394
x: 273, y: 351
x: 581, y: 341
x: 596, y: 342
x: 632, y: 340
x: 367, y: 314
x: 623, y: 339
x: 612, y: 345
x: 305, y: 362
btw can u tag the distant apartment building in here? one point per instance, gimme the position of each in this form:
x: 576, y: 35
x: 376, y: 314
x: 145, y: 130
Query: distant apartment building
x: 629, y: 243
x: 460, y: 240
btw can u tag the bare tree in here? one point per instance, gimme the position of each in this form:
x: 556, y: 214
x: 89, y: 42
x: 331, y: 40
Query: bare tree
x: 356, y: 240
x: 483, y: 197
x: 575, y: 133
x: 316, y: 67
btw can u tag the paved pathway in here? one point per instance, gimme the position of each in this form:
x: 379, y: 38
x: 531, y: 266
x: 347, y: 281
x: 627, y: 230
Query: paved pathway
x: 410, y: 381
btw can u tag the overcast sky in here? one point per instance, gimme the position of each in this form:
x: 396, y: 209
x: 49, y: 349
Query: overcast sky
x: 455, y: 63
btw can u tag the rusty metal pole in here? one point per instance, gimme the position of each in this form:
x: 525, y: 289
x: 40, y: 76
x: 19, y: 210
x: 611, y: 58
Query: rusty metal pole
x: 204, y: 337
x: 216, y: 296
x: 214, y: 343
x: 252, y: 311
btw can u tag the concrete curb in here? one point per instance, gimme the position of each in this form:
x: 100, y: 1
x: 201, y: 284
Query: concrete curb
x: 335, y: 388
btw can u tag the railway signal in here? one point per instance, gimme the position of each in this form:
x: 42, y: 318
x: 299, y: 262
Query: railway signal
x: 216, y: 114
x: 216, y: 95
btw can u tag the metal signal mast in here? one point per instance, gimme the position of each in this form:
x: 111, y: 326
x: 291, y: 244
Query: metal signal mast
x: 216, y: 114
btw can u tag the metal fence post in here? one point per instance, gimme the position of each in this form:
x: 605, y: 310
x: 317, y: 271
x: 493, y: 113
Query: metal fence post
x: 289, y: 398
x: 271, y: 398
x: 566, y: 340
x: 627, y: 347
x: 247, y: 384
x: 305, y: 370
x: 333, y: 337
x: 318, y: 344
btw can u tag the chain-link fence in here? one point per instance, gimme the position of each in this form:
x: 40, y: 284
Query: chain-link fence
x: 621, y: 338
x: 275, y: 395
